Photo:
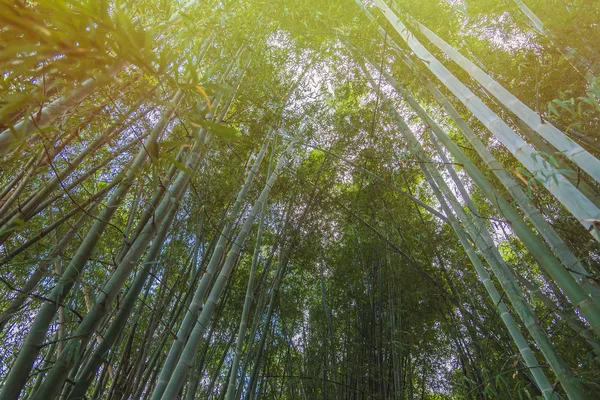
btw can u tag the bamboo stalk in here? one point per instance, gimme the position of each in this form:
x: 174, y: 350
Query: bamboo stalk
x: 581, y: 207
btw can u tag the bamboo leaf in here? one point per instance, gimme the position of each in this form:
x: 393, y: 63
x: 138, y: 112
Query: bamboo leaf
x: 220, y: 130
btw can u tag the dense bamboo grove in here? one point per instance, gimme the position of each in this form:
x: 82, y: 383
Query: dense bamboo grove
x: 346, y: 199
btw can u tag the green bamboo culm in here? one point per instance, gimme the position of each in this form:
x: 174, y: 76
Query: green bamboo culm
x: 579, y: 63
x: 583, y: 296
x: 485, y: 245
x: 581, y: 207
x: 191, y: 347
x: 18, y: 374
x: 427, y: 225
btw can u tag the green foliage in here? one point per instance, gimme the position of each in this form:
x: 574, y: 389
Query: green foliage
x: 377, y: 298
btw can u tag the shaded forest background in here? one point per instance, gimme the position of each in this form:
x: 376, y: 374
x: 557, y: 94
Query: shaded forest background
x: 299, y: 199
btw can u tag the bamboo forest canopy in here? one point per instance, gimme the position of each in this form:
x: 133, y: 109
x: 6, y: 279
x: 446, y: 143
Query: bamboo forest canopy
x: 341, y: 199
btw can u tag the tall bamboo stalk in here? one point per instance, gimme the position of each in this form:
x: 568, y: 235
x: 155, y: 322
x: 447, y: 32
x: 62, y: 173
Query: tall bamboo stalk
x: 164, y: 213
x: 43, y: 267
x: 486, y: 246
x: 54, y: 110
x: 586, y: 299
x: 18, y: 374
x: 115, y: 329
x: 198, y: 297
x: 187, y: 355
x: 573, y: 200
x: 232, y: 385
x: 564, y: 254
x: 567, y: 147
x: 580, y: 64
